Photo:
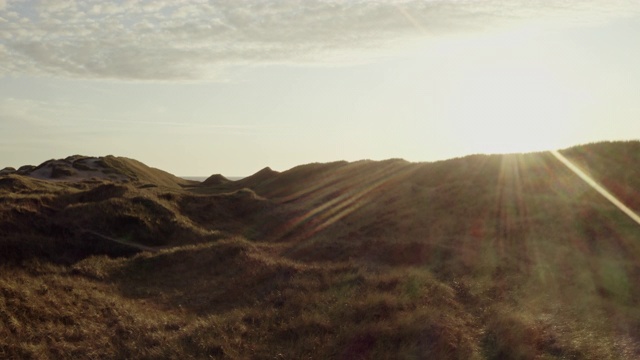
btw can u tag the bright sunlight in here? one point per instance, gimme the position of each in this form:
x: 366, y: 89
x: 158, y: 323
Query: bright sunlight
x: 504, y: 101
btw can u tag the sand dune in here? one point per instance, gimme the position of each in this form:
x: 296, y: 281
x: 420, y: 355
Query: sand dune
x: 480, y: 257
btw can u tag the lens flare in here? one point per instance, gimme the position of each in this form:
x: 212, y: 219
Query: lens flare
x: 586, y: 178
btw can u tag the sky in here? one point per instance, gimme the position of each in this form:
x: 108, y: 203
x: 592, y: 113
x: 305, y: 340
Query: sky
x: 202, y: 87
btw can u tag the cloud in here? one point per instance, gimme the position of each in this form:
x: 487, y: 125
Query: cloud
x: 198, y: 39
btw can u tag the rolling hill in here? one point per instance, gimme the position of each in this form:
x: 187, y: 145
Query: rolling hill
x: 481, y: 257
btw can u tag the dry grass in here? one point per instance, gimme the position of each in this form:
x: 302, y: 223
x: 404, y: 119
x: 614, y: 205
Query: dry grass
x: 484, y: 257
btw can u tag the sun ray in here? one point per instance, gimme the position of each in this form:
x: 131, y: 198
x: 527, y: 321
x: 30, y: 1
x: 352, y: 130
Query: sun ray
x: 597, y: 187
x: 353, y: 197
x: 512, y: 211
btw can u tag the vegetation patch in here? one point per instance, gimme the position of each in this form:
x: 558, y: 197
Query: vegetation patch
x: 482, y: 257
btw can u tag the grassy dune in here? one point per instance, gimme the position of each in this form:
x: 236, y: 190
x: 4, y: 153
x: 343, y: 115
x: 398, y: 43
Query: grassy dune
x: 482, y: 257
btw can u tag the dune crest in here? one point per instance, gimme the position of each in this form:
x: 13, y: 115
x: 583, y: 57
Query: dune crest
x: 479, y: 257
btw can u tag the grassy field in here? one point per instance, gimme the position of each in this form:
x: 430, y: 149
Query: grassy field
x: 481, y: 257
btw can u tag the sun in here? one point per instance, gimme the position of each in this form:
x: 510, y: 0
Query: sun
x: 510, y: 110
x: 506, y: 98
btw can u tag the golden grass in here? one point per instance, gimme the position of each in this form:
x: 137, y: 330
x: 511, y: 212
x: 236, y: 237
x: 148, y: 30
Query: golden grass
x: 484, y: 257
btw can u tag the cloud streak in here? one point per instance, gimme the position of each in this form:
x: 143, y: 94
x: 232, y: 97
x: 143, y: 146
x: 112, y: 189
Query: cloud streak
x: 198, y: 39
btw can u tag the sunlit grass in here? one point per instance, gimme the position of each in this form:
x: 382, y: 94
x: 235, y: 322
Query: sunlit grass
x: 484, y: 257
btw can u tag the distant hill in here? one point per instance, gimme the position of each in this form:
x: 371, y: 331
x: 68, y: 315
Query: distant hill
x: 262, y: 176
x: 478, y: 257
x: 119, y: 169
x: 215, y: 180
x: 203, y: 178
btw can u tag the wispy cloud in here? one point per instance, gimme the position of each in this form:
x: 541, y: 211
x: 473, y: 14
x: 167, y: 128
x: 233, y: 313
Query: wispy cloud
x: 34, y: 114
x: 197, y: 39
x: 189, y: 126
x: 173, y: 124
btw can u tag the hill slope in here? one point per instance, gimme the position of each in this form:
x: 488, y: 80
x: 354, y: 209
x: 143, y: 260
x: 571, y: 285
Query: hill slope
x: 119, y: 169
x: 481, y: 257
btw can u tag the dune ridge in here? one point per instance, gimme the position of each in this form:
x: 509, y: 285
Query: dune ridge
x: 479, y: 257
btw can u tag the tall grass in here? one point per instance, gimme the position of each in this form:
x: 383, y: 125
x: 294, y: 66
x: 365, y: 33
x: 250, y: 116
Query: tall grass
x: 484, y: 257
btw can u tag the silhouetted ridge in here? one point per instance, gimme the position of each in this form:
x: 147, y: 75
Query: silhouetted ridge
x: 140, y: 172
x: 301, y: 176
x: 215, y: 180
x: 259, y: 178
x: 333, y: 177
x: 478, y: 257
x: 119, y: 169
x: 8, y: 170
